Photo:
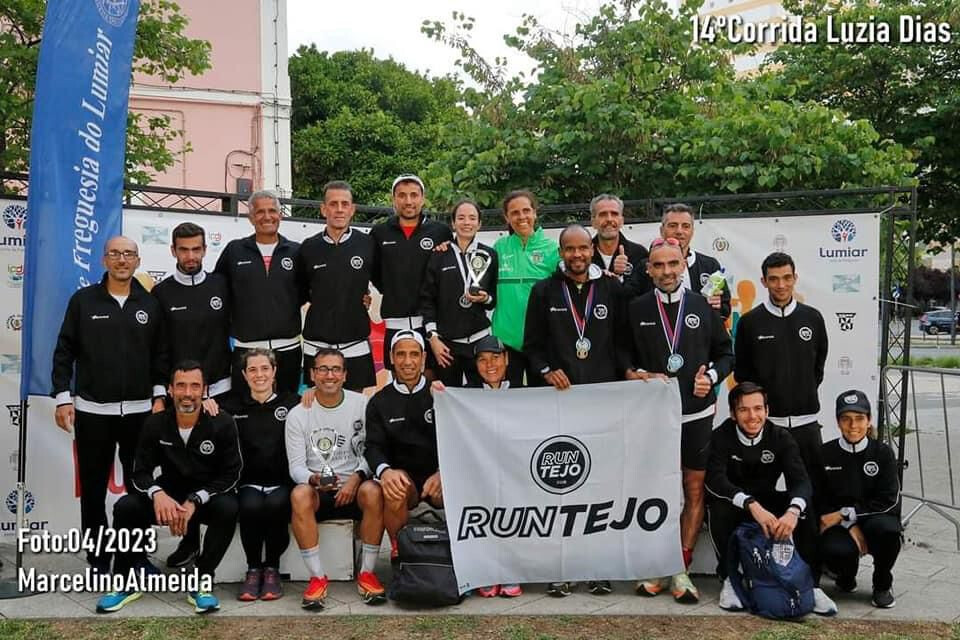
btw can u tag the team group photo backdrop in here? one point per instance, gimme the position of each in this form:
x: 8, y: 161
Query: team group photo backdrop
x: 837, y: 261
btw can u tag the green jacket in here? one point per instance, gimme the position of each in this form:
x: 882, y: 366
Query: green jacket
x: 520, y: 268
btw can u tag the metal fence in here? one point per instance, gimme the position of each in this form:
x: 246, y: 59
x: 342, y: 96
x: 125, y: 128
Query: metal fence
x: 926, y: 442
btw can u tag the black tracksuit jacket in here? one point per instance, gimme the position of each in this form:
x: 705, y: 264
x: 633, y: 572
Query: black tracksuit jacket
x: 262, y: 306
x: 443, y: 286
x: 261, y: 428
x: 400, y: 430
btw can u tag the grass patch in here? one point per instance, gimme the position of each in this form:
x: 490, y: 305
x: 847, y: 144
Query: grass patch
x: 443, y: 627
x: 936, y: 362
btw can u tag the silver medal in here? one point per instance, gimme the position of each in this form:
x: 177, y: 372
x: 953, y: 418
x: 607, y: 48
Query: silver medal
x: 674, y: 363
x: 466, y: 304
x: 583, y: 348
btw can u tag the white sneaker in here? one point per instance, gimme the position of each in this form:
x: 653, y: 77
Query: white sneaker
x: 729, y: 601
x: 822, y: 604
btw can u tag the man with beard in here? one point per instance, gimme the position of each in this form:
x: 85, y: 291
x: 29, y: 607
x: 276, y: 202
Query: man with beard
x: 403, y: 245
x: 334, y: 269
x: 611, y: 250
x: 676, y: 333
x: 570, y: 332
x: 111, y: 351
x: 264, y: 295
x: 196, y: 311
x: 571, y: 318
x: 677, y: 223
x: 748, y: 454
x: 782, y: 346
x: 199, y: 460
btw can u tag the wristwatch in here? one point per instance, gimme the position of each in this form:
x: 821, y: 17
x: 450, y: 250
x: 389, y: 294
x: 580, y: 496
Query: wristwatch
x: 195, y: 499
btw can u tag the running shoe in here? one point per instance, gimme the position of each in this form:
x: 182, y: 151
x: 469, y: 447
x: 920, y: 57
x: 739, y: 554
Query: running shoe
x: 370, y: 589
x: 599, y: 587
x: 250, y: 589
x: 510, y: 591
x: 489, y: 592
x: 652, y: 586
x: 116, y: 600
x: 203, y: 601
x: 883, y: 599
x: 315, y: 593
x: 272, y: 589
x: 683, y: 589
x: 822, y: 604
x: 729, y: 600
x: 560, y: 589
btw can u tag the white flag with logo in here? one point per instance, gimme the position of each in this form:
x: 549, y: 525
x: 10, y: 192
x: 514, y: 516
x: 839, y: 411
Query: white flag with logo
x: 542, y: 485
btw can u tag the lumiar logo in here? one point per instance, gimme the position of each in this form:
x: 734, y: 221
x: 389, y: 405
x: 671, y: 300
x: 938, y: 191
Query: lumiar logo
x: 29, y: 502
x: 560, y: 464
x: 15, y: 216
x: 843, y: 231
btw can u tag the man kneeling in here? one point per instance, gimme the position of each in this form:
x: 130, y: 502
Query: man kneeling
x: 402, y: 438
x: 748, y: 453
x: 200, y: 464
x: 333, y: 426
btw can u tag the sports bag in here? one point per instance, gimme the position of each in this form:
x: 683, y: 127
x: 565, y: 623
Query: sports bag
x: 425, y: 576
x: 769, y: 577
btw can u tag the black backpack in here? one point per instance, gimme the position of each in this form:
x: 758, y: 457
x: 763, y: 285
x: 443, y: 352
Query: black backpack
x: 425, y: 576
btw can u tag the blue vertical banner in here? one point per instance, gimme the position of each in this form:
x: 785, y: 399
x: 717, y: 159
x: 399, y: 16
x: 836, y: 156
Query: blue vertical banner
x: 77, y: 146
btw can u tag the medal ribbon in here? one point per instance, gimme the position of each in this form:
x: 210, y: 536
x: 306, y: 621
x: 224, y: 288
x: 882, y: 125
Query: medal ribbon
x: 462, y: 266
x: 580, y: 323
x: 672, y: 336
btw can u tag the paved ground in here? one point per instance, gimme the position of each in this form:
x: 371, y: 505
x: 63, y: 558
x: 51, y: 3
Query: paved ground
x: 927, y: 581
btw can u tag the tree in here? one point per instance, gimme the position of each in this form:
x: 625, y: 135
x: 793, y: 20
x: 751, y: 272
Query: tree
x: 910, y: 92
x: 364, y: 120
x: 161, y: 49
x: 629, y: 106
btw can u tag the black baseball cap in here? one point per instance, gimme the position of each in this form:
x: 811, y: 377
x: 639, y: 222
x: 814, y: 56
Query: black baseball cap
x: 853, y: 400
x: 488, y: 344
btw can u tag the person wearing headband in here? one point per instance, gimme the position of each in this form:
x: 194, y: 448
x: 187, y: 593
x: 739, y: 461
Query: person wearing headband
x: 403, y: 246
x: 401, y: 445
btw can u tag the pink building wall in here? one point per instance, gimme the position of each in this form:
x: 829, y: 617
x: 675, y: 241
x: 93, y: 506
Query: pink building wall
x: 227, y: 112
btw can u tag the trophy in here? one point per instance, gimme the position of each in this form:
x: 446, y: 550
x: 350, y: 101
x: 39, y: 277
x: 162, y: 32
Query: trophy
x: 478, y: 261
x: 323, y: 442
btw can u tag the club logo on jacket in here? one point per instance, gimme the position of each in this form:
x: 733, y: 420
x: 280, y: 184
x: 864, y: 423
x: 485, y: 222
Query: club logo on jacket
x: 142, y: 317
x: 805, y: 333
x: 560, y: 464
x: 280, y: 414
x: 871, y: 468
x: 536, y: 257
x: 356, y: 262
x: 766, y: 456
x: 287, y: 263
x: 426, y: 244
x: 600, y: 311
x: 692, y: 321
x: 216, y: 303
x: 703, y: 278
x: 206, y: 447
x: 428, y: 416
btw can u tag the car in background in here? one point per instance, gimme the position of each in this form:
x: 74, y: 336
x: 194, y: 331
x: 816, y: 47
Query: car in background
x: 934, y: 322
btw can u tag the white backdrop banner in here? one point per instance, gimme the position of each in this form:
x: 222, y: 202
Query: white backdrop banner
x: 541, y: 485
x: 837, y: 263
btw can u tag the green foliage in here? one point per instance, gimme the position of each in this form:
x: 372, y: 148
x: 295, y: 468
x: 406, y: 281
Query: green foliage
x: 364, y: 120
x: 629, y: 106
x: 909, y: 92
x: 161, y: 50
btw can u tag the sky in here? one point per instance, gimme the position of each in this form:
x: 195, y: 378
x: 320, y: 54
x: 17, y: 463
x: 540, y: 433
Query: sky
x: 392, y: 29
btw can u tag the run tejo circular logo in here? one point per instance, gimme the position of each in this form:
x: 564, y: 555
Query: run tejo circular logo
x: 560, y: 464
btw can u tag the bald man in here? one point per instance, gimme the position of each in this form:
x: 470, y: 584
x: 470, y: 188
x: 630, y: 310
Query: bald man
x: 111, y: 339
x: 571, y: 318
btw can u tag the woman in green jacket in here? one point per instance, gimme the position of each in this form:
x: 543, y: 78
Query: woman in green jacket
x: 526, y: 256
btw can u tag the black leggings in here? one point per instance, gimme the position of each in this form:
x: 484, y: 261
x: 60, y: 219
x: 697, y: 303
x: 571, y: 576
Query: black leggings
x: 264, y: 520
x: 135, y: 511
x: 839, y: 552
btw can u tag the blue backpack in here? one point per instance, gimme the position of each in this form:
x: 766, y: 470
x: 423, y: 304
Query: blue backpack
x: 774, y: 582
